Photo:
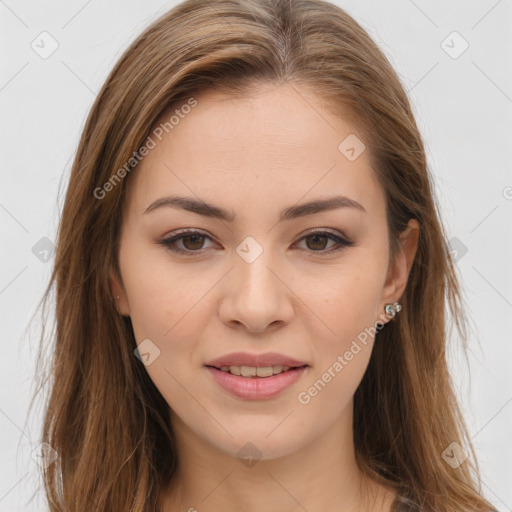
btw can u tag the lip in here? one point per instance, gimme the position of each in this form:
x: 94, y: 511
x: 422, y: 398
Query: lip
x: 246, y: 359
x: 256, y: 388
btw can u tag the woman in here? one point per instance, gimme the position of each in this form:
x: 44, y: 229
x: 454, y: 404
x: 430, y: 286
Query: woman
x: 251, y: 279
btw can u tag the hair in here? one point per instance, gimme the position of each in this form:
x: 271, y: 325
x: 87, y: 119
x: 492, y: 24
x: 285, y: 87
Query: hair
x: 103, y: 415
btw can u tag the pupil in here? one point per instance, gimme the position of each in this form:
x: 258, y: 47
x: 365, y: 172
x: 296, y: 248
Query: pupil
x: 318, y: 237
x: 193, y: 237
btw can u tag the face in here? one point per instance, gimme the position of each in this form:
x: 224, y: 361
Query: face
x: 307, y: 284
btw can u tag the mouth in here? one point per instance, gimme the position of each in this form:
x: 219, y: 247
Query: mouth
x: 256, y: 376
x: 256, y: 382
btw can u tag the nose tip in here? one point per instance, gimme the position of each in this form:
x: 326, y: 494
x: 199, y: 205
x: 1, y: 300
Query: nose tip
x: 255, y: 303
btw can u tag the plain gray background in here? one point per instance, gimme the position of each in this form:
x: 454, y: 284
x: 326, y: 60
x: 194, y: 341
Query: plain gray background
x: 463, y: 102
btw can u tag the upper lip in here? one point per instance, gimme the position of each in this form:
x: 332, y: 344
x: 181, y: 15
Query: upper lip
x: 258, y: 360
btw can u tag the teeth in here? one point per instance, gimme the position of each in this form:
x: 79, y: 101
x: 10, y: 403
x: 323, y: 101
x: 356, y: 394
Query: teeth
x: 248, y: 371
x: 266, y: 371
x: 253, y: 371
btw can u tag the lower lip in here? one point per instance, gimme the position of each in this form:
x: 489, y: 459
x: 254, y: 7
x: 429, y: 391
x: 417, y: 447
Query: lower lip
x: 256, y: 388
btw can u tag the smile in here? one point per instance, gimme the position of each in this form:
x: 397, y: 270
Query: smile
x: 255, y: 371
x: 256, y: 382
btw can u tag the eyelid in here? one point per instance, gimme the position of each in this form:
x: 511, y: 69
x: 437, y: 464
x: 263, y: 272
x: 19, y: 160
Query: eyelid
x: 326, y: 231
x: 183, y: 233
x: 339, y: 237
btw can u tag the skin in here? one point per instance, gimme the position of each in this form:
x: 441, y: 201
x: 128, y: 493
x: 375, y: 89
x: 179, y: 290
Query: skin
x: 257, y: 155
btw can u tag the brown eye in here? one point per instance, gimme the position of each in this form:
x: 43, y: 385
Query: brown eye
x: 318, y: 240
x: 191, y: 242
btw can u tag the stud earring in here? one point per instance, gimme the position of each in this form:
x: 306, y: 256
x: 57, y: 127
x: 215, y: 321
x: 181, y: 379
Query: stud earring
x: 392, y: 309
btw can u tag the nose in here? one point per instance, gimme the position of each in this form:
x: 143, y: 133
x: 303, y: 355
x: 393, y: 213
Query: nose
x: 257, y: 296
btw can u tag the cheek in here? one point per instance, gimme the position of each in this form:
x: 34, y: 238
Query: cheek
x: 167, y: 307
x: 345, y: 340
x: 162, y: 296
x: 349, y: 306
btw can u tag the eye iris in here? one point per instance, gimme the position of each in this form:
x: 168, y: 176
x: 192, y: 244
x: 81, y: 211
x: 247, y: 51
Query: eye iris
x: 194, y: 237
x: 317, y: 237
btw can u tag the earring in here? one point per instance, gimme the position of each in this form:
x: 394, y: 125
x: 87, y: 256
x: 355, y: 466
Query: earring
x: 392, y: 309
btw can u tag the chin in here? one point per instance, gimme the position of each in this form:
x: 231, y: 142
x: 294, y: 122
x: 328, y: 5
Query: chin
x: 258, y: 441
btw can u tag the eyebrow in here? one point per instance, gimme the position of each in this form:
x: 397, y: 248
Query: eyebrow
x: 292, y: 212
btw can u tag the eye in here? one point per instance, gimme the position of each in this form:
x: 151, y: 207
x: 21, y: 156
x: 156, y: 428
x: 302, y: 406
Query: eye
x: 193, y: 242
x: 320, y: 238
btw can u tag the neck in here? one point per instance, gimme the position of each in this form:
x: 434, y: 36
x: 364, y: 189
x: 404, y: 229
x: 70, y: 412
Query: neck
x: 322, y: 475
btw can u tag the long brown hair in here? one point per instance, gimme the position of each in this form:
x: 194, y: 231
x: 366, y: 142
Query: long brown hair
x: 104, y: 416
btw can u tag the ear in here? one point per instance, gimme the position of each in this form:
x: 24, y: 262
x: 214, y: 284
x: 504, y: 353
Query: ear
x: 118, y: 291
x: 398, y: 274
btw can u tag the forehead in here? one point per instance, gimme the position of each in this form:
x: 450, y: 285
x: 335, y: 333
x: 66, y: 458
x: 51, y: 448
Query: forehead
x: 270, y: 118
x: 277, y: 142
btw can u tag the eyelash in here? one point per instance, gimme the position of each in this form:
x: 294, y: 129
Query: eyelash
x: 342, y: 242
